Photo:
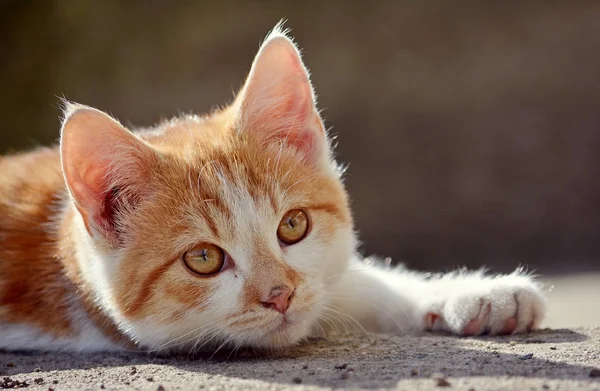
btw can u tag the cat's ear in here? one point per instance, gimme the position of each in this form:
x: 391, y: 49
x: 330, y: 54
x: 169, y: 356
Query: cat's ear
x: 105, y: 168
x: 277, y: 102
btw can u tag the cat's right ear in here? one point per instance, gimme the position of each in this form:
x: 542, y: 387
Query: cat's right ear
x: 105, y: 168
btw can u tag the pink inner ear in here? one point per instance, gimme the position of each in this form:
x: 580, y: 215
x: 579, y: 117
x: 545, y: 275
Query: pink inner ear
x: 277, y: 101
x: 302, y: 141
x: 103, y: 165
x: 89, y: 182
x: 94, y: 200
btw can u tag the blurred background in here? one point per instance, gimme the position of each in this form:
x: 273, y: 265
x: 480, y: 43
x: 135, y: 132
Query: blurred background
x: 472, y: 129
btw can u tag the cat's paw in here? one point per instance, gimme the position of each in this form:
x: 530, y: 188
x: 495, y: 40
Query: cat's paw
x: 505, y: 305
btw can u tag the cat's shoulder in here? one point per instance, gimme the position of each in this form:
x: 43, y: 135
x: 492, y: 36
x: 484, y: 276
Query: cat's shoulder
x: 28, y: 175
x: 21, y: 161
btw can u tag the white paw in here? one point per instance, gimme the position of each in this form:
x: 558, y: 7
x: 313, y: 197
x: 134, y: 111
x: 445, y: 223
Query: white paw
x: 507, y: 304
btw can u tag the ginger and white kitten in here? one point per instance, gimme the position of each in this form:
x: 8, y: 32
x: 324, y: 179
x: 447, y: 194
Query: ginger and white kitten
x: 228, y: 228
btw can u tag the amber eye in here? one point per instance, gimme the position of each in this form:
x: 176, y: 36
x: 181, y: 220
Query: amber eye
x: 293, y: 226
x: 205, y: 259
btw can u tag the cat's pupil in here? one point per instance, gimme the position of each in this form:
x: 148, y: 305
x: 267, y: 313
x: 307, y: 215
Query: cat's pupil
x: 204, y: 254
x: 291, y: 222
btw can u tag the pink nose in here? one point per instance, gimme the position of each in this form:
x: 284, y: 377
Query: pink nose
x: 279, y: 299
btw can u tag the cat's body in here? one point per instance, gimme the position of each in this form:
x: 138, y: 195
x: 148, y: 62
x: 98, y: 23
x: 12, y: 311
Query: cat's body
x: 232, y: 228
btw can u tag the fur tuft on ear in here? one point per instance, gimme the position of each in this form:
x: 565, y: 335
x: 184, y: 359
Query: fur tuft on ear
x: 105, y: 168
x: 277, y: 102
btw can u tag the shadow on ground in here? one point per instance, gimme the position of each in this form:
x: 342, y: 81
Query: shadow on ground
x: 544, y: 359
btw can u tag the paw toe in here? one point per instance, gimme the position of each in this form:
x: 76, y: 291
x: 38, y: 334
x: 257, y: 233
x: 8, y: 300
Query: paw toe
x: 477, y: 325
x: 472, y: 328
x: 509, y: 326
x: 431, y: 320
x: 507, y: 304
x: 531, y: 307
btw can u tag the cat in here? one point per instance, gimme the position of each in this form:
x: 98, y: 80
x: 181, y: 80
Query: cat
x: 228, y: 229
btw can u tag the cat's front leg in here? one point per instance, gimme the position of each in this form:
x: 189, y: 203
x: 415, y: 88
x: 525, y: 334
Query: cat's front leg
x: 377, y: 299
x: 471, y: 303
x: 396, y: 300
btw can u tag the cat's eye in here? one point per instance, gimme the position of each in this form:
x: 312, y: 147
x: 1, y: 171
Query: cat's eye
x: 205, y: 259
x: 293, y: 227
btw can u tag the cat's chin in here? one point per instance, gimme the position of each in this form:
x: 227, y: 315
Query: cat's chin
x: 281, y: 334
x: 281, y: 337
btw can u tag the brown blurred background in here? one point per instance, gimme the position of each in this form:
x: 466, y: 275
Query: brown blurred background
x: 472, y: 129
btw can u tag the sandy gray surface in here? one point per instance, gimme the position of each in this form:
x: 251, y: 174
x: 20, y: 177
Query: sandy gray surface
x: 549, y: 359
x: 573, y: 301
x: 545, y: 360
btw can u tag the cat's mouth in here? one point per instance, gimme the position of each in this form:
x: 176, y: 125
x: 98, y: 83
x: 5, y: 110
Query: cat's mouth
x: 277, y: 330
x: 282, y: 324
x: 285, y: 322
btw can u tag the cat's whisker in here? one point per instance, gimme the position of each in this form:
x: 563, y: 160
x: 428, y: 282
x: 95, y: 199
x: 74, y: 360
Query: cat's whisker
x: 172, y: 342
x: 204, y: 339
x: 202, y: 329
x: 236, y: 348
x: 338, y: 310
x: 327, y: 319
x: 335, y: 317
x: 381, y: 310
x: 221, y: 346
x: 317, y: 324
x: 196, y: 339
x: 348, y: 321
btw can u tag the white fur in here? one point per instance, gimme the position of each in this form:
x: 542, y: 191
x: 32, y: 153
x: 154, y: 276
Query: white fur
x: 389, y: 300
x: 86, y: 337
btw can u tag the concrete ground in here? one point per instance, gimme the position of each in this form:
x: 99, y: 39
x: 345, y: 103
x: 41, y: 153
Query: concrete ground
x: 550, y: 359
x: 574, y: 301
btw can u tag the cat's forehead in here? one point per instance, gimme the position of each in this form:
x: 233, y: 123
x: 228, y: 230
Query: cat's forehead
x: 189, y: 135
x: 228, y: 183
x: 211, y: 153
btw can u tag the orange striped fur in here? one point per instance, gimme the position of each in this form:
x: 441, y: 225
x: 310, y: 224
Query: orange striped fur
x: 92, y: 233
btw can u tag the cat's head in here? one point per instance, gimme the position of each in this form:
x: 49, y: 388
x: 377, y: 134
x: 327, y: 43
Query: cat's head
x: 226, y: 227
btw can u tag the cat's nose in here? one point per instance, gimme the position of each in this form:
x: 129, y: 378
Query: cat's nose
x: 279, y: 298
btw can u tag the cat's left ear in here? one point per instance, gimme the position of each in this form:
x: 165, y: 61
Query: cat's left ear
x: 278, y: 103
